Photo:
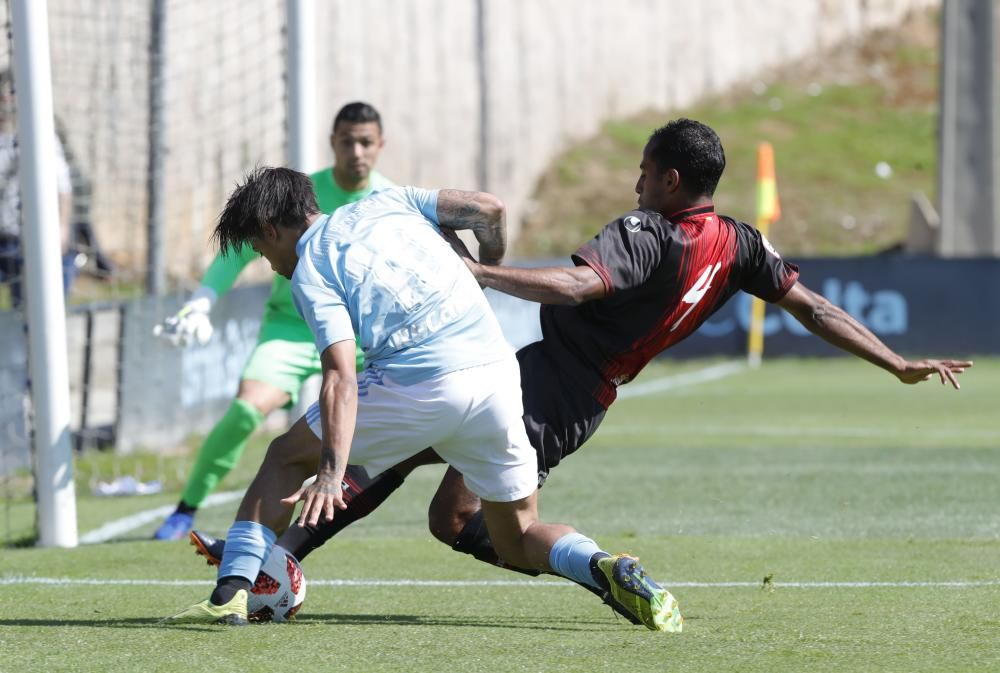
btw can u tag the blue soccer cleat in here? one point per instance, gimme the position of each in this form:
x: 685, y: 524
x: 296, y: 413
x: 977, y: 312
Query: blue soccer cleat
x: 176, y: 527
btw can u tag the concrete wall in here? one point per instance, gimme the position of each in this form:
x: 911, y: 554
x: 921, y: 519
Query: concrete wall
x: 475, y: 93
x: 552, y: 71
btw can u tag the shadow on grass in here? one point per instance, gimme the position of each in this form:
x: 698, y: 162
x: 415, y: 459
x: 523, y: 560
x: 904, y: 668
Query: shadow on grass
x: 140, y: 622
x: 492, y: 622
x: 340, y: 620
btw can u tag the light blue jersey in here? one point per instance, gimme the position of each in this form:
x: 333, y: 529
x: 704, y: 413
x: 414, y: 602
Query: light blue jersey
x: 380, y: 269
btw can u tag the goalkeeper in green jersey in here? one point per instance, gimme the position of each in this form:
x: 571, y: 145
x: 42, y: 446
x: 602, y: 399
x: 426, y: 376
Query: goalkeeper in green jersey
x: 285, y: 354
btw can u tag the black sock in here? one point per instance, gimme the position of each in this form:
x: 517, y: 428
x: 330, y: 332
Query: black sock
x: 475, y: 540
x: 184, y: 508
x: 598, y: 576
x: 363, y: 494
x: 227, y: 587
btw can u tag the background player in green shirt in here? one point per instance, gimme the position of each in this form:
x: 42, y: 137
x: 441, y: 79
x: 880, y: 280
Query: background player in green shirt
x: 285, y: 354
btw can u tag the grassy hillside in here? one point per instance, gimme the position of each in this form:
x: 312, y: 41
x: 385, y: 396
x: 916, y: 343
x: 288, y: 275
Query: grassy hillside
x: 831, y: 120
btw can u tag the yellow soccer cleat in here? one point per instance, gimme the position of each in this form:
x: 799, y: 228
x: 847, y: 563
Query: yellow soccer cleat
x: 650, y: 603
x: 233, y: 613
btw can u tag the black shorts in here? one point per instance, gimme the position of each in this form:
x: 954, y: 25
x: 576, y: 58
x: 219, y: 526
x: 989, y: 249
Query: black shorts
x: 558, y: 414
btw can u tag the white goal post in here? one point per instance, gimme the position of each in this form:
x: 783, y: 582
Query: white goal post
x: 46, y: 309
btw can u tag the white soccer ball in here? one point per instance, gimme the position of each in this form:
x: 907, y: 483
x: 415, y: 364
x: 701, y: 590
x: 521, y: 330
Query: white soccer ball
x: 280, y: 589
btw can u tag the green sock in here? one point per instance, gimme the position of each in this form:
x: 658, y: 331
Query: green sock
x: 221, y: 450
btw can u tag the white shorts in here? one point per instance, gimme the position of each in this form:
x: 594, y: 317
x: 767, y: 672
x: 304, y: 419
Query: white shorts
x: 471, y: 417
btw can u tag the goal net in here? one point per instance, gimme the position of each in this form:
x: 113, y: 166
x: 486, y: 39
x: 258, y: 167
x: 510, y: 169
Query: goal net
x: 159, y: 108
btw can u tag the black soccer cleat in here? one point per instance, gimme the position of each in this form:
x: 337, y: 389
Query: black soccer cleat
x: 207, y: 546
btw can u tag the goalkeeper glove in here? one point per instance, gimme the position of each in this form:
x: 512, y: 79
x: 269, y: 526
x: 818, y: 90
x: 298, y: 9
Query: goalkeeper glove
x: 191, y: 324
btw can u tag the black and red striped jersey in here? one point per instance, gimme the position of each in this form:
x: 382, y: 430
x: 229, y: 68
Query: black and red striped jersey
x: 664, y: 277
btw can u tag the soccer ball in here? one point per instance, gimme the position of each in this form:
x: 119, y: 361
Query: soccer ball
x: 279, y: 591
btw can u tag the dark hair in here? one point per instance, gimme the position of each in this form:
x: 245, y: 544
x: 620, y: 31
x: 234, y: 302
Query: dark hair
x: 694, y: 150
x: 278, y: 196
x: 358, y: 113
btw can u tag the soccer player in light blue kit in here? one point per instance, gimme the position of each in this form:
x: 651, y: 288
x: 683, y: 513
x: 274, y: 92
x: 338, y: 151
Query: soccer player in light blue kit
x: 438, y: 373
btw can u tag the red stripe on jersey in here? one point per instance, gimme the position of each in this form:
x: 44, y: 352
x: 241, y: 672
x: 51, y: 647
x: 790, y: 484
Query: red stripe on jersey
x: 704, y: 279
x: 709, y: 249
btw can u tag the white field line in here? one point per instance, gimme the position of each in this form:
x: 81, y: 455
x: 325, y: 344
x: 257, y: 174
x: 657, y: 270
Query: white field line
x: 712, y: 373
x: 67, y: 581
x: 796, y: 431
x: 119, y: 527
x: 113, y: 529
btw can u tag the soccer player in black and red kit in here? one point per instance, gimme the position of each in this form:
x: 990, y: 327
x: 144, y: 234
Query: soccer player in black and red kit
x: 646, y: 281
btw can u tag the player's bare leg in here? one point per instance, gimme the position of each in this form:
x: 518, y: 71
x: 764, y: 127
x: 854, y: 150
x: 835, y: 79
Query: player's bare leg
x: 291, y: 459
x: 519, y: 536
x: 528, y: 542
x: 221, y: 450
x: 456, y: 518
x: 451, y: 508
x: 362, y: 495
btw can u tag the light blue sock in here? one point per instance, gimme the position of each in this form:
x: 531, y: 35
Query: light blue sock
x: 570, y: 557
x: 247, y: 545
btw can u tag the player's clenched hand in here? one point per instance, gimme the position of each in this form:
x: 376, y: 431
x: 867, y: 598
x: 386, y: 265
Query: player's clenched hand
x: 457, y: 244
x: 319, y: 499
x: 922, y: 370
x: 189, y: 325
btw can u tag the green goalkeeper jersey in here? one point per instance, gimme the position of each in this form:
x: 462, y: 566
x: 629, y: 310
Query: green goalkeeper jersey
x: 280, y: 312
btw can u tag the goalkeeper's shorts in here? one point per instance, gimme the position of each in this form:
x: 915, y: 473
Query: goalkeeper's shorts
x: 285, y: 357
x: 283, y: 364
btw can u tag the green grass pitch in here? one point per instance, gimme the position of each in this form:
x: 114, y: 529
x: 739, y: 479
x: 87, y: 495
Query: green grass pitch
x: 871, y: 507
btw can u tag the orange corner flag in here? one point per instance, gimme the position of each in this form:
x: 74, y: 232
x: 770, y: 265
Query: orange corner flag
x: 768, y: 211
x: 768, y: 206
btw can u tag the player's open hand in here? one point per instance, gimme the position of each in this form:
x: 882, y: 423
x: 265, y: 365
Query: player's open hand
x: 319, y: 499
x: 923, y: 370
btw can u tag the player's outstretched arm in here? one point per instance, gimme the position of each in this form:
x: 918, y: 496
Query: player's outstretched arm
x: 836, y: 326
x: 483, y: 213
x: 554, y: 285
x: 546, y: 285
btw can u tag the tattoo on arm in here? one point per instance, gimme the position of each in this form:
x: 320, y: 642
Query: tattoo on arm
x: 459, y: 210
x: 327, y: 488
x: 480, y: 212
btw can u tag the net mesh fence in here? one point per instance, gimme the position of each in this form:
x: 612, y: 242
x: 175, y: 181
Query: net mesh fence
x: 215, y: 103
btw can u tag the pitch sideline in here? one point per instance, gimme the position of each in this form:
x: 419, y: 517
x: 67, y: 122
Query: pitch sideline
x: 713, y: 373
x: 113, y: 529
